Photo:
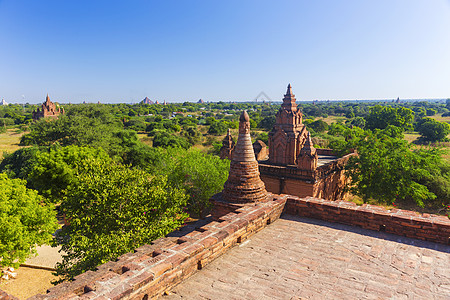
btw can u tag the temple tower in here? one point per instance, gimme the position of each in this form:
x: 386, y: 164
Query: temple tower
x: 244, y: 184
x: 288, y: 134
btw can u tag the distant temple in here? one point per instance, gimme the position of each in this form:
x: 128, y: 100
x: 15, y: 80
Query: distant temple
x: 147, y: 101
x: 3, y: 102
x: 48, y: 110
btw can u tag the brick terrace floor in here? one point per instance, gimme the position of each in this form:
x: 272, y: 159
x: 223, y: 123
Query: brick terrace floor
x: 296, y: 258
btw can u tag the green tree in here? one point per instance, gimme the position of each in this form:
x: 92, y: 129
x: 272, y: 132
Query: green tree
x: 192, y: 135
x: 267, y: 122
x: 218, y: 127
x: 318, y: 126
x: 433, y: 130
x: 165, y: 140
x: 25, y: 220
x: 387, y: 169
x: 201, y: 176
x: 431, y: 112
x: 54, y: 170
x: 359, y: 122
x: 382, y: 116
x: 20, y: 163
x: 112, y: 210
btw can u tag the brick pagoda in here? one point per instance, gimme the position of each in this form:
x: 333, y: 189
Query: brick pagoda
x: 243, y: 186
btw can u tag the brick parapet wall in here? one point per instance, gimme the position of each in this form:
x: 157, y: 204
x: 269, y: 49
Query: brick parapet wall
x: 324, y: 151
x: 152, y: 269
x: 396, y: 221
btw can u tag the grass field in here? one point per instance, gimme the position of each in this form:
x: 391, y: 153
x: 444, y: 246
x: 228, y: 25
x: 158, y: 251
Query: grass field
x: 440, y: 118
x: 9, y: 141
x: 332, y: 119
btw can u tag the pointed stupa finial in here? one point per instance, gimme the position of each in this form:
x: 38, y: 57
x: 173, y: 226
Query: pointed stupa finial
x: 289, y: 90
x: 47, y: 99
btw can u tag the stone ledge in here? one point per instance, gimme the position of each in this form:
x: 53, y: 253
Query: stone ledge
x: 152, y: 269
x: 426, y: 227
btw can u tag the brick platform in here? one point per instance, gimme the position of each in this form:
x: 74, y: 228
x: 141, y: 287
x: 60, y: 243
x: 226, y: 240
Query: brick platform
x: 299, y: 258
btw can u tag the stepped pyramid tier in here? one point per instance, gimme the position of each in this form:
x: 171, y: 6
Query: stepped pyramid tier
x: 288, y: 134
x: 307, y: 159
x: 244, y: 184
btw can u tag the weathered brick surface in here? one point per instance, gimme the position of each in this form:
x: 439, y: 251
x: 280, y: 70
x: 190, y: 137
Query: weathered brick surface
x: 406, y: 223
x: 299, y: 258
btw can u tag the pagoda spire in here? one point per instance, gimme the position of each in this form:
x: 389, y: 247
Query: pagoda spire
x: 289, y: 100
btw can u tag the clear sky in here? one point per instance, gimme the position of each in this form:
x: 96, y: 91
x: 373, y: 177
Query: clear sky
x: 122, y: 51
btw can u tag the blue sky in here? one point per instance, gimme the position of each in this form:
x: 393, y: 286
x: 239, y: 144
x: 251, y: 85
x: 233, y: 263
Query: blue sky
x: 123, y: 51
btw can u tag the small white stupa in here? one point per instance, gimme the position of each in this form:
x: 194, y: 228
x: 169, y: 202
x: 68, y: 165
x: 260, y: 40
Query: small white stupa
x: 3, y: 102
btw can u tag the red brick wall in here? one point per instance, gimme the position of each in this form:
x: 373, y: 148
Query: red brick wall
x: 401, y: 222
